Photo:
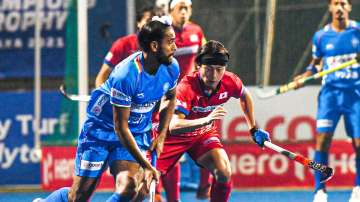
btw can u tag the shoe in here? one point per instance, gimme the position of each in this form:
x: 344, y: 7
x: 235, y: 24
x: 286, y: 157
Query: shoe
x: 355, y: 195
x: 37, y: 200
x: 320, y: 196
x: 203, y: 192
x: 158, y: 197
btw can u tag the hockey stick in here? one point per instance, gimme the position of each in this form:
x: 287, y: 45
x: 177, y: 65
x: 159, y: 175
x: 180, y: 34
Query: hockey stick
x: 153, y: 182
x: 73, y: 97
x: 326, y: 171
x: 291, y: 86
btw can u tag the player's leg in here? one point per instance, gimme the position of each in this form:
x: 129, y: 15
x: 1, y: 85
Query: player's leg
x: 323, y: 142
x: 203, y: 191
x: 217, y: 162
x: 128, y: 177
x: 174, y: 148
x: 355, y: 195
x: 90, y: 162
x: 209, y: 153
x: 352, y: 126
x: 327, y: 118
x: 171, y: 183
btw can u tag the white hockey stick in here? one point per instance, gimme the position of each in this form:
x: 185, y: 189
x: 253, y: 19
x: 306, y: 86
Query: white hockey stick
x: 153, y: 182
x: 74, y: 97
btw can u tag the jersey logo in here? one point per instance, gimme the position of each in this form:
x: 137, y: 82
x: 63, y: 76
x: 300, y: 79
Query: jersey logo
x: 354, y: 42
x: 91, y: 165
x: 119, y: 95
x: 142, y: 107
x: 223, y: 95
x: 194, y: 38
x: 140, y: 95
x: 329, y: 46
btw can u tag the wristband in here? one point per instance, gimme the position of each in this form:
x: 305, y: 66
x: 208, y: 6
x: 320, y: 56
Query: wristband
x: 253, y: 130
x: 312, y: 68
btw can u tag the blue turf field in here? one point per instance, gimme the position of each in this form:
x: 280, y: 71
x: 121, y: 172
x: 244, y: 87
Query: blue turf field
x: 236, y: 196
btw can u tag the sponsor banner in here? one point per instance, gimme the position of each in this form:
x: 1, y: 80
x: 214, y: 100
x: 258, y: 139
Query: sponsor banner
x: 253, y: 167
x: 57, y: 168
x: 17, y: 21
x: 17, y: 151
x: 288, y: 117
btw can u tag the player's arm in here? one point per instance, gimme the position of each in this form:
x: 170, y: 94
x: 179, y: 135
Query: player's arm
x: 179, y: 124
x: 247, y: 105
x: 313, y: 68
x: 166, y: 111
x: 102, y: 75
x: 120, y: 118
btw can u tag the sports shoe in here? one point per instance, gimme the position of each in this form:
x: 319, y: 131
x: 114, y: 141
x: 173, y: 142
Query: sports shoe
x: 355, y: 195
x: 320, y: 196
x: 203, y: 192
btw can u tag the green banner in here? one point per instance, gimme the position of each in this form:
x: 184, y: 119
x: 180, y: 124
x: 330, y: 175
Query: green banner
x: 69, y: 109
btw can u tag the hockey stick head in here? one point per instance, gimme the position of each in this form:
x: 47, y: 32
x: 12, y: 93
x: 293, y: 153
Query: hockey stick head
x: 327, y: 174
x: 72, y: 97
x: 260, y: 93
x: 63, y: 92
x: 326, y: 171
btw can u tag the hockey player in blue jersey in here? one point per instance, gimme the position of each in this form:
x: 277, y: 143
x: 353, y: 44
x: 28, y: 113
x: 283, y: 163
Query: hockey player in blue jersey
x: 117, y: 131
x: 337, y: 43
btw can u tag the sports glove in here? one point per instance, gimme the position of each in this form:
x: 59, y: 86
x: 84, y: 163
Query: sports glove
x: 259, y: 136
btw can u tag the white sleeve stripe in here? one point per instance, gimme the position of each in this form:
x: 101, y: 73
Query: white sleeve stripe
x: 119, y: 105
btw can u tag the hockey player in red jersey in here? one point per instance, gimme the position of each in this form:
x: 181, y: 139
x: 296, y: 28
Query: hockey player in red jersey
x: 200, y: 99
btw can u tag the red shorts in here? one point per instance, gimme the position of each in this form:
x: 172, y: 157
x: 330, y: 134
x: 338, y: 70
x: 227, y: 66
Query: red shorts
x: 175, y: 146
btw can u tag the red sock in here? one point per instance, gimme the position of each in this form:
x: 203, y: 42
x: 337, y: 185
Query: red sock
x: 171, y: 183
x: 220, y: 192
x: 205, y: 178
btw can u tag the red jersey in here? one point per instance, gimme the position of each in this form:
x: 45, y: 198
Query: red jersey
x: 188, y: 41
x: 121, y: 49
x: 194, y: 103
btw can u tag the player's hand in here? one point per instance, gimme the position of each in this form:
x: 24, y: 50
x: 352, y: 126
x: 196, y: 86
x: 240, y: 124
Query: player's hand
x: 218, y: 113
x: 150, y: 174
x: 298, y: 79
x: 158, y: 144
x: 259, y: 136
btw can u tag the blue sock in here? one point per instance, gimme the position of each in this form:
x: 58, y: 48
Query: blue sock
x: 60, y: 195
x: 118, y: 198
x: 357, y: 176
x: 320, y: 157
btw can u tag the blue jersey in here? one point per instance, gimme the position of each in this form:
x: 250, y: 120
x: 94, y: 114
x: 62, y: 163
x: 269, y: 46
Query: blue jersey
x: 336, y: 48
x: 129, y: 85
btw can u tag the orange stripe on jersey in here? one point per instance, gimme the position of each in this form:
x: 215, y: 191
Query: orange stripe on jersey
x: 138, y: 64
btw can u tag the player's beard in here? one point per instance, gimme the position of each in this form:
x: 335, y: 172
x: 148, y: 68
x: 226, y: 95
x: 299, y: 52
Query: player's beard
x: 340, y: 15
x: 162, y: 58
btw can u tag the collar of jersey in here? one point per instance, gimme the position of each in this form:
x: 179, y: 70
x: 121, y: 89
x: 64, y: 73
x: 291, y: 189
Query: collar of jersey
x: 138, y: 63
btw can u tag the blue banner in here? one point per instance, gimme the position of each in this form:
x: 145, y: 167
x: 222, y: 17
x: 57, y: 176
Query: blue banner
x: 19, y: 164
x: 106, y: 22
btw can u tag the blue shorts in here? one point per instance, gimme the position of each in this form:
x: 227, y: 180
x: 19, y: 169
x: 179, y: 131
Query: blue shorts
x: 93, y: 155
x: 334, y: 102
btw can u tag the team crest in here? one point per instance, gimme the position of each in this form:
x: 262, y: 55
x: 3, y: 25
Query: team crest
x: 223, y: 95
